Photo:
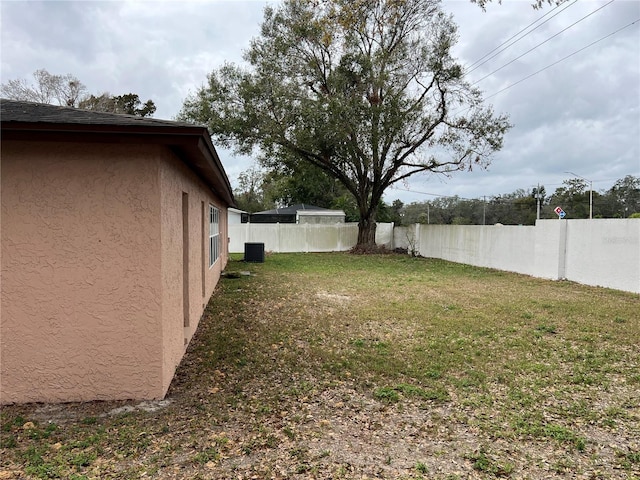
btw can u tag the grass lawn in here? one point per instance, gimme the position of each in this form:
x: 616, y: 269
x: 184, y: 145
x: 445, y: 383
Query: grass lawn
x: 335, y: 366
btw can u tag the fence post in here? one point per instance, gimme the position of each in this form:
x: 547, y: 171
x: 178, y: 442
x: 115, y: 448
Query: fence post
x: 278, y: 234
x: 562, y: 250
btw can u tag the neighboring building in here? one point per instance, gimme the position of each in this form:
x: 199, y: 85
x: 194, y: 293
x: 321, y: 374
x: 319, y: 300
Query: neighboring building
x: 114, y: 235
x: 237, y: 216
x: 299, y: 214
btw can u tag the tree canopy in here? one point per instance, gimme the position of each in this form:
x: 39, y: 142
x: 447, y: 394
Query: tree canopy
x: 366, y: 90
x: 129, y: 104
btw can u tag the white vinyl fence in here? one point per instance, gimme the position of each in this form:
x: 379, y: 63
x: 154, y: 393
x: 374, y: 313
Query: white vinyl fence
x: 599, y: 252
x: 292, y: 237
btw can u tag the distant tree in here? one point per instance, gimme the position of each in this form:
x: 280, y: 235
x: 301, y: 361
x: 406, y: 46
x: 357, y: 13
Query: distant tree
x: 498, y: 210
x: 68, y: 91
x: 347, y: 204
x: 252, y: 194
x: 292, y: 182
x: 385, y: 212
x: 519, y: 207
x: 444, y: 210
x: 99, y: 103
x: 64, y: 90
x: 516, y: 208
x: 539, y: 195
x: 625, y: 194
x: 129, y: 104
x: 525, y: 209
x: 396, y: 212
x: 573, y: 198
x: 411, y: 213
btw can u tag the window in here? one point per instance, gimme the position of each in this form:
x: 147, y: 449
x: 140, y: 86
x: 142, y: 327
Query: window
x: 214, y: 235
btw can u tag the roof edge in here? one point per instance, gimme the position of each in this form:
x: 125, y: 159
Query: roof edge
x: 192, y: 143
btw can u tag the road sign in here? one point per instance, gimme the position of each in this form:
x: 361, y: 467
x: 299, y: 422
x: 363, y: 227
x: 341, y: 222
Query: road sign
x: 561, y: 213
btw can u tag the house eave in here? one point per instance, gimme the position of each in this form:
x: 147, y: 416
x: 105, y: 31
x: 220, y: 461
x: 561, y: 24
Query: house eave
x: 191, y: 143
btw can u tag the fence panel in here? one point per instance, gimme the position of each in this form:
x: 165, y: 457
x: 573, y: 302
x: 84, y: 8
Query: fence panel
x: 604, y: 252
x: 598, y: 252
x: 285, y: 237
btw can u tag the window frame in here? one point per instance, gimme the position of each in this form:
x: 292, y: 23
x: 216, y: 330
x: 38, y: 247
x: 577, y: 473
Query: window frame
x: 214, y: 235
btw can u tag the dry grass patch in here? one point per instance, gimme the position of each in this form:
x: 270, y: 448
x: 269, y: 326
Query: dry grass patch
x: 382, y: 366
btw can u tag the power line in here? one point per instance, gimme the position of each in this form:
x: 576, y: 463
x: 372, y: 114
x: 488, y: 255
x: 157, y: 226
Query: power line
x: 495, y: 196
x: 516, y: 41
x: 431, y: 194
x: 542, y: 43
x: 485, y: 198
x: 555, y: 63
x: 563, y: 59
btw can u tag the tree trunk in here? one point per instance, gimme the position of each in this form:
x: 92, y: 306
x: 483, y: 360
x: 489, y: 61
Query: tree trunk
x: 366, y: 233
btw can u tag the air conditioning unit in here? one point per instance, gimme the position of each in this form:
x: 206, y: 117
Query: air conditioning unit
x: 254, y: 252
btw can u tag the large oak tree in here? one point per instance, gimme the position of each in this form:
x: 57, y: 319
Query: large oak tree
x: 366, y: 90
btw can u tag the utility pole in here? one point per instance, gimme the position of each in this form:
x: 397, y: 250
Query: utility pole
x: 538, y: 202
x: 590, y: 192
x: 484, y: 209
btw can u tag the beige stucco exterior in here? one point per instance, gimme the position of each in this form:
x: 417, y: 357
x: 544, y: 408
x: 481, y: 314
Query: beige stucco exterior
x: 93, y: 275
x: 176, y: 180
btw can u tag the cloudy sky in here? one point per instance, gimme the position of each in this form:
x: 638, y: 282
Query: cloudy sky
x: 579, y: 115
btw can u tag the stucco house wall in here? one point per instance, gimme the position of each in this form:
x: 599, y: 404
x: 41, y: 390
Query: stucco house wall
x: 104, y: 252
x: 81, y: 284
x: 179, y: 184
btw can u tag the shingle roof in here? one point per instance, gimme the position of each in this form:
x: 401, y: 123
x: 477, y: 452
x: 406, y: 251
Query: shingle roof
x: 28, y: 112
x: 292, y: 210
x: 192, y: 143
